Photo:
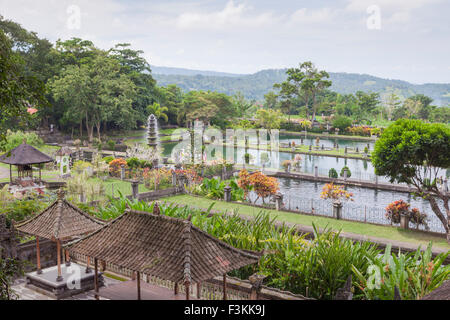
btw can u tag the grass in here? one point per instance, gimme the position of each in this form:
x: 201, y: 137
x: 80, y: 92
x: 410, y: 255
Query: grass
x: 390, y: 233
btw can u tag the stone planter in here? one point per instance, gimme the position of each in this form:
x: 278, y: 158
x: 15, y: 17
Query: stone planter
x: 404, y: 221
x: 337, y: 210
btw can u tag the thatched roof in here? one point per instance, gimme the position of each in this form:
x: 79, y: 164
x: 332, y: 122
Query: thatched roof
x: 61, y: 220
x: 441, y: 293
x: 166, y: 247
x: 24, y: 154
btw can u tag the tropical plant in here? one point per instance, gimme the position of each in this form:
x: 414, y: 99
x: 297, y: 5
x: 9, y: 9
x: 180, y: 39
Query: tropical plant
x: 16, y: 138
x: 333, y: 173
x: 345, y: 168
x: 158, y: 111
x: 414, y: 274
x: 9, y: 270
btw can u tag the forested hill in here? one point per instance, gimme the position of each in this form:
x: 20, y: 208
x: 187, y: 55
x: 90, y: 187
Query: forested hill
x: 254, y: 86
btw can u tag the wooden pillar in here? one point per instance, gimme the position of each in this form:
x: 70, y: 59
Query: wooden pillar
x: 187, y: 288
x: 199, y: 290
x: 38, y: 256
x: 67, y: 258
x: 40, y: 176
x: 225, y: 286
x: 88, y: 265
x: 58, y: 256
x: 176, y: 288
x: 138, y: 279
x: 10, y: 174
x: 96, y: 278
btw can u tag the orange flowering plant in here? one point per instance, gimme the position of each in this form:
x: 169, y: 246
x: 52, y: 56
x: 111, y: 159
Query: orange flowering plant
x: 115, y: 166
x: 263, y: 185
x: 336, y: 193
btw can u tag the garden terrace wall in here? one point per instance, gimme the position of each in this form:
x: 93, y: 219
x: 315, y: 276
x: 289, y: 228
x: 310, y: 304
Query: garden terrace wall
x: 27, y: 252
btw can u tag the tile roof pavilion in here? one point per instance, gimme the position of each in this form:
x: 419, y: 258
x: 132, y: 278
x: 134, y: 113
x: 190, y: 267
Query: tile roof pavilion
x: 59, y: 222
x: 169, y: 248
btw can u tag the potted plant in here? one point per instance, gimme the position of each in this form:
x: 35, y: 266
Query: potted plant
x: 337, y: 194
x: 286, y: 165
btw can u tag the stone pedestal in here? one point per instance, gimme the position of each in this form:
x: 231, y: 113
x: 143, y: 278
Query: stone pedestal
x: 404, y: 221
x: 316, y: 171
x: 337, y: 210
x: 135, y: 189
x: 122, y: 172
x: 174, y: 179
x: 279, y: 201
x: 227, y: 193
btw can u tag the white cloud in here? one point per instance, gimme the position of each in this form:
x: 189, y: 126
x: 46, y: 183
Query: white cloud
x: 232, y: 15
x: 309, y: 16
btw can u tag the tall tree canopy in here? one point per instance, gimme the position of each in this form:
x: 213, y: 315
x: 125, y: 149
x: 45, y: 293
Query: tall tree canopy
x: 19, y: 90
x: 414, y: 152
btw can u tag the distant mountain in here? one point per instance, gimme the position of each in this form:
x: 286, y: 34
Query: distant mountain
x: 189, y: 72
x: 255, y: 86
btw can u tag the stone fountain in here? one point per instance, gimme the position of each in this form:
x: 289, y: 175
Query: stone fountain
x: 153, y: 136
x: 152, y: 131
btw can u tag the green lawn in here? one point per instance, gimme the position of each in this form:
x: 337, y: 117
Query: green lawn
x: 387, y: 232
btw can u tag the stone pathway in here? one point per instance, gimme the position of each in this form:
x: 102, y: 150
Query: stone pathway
x: 4, y: 173
x: 25, y: 293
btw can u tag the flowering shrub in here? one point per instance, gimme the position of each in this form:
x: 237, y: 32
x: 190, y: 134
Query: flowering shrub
x: 191, y: 174
x: 360, y: 131
x: 244, y: 182
x: 418, y: 218
x: 396, y: 208
x: 286, y: 164
x: 375, y: 131
x: 115, y: 166
x: 263, y: 185
x: 157, y: 178
x: 335, y: 193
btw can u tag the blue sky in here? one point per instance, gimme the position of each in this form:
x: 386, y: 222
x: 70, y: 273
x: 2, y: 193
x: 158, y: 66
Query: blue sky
x: 396, y: 39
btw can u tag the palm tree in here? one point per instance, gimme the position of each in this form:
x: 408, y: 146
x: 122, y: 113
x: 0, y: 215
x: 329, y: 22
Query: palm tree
x: 158, y: 111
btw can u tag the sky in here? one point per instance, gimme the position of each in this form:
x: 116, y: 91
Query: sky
x: 396, y: 39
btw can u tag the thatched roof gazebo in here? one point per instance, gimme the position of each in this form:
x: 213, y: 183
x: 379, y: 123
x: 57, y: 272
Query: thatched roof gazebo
x: 168, y: 248
x: 61, y: 221
x: 24, y: 157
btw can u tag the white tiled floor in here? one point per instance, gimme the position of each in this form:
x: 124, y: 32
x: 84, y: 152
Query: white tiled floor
x: 25, y: 293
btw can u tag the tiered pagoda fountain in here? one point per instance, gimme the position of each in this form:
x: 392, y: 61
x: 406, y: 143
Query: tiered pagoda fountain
x: 153, y: 136
x: 152, y: 131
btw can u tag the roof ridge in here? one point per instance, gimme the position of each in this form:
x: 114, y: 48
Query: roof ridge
x: 58, y: 219
x: 187, y: 251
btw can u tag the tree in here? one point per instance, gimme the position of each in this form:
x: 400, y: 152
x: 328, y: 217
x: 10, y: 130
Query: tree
x: 412, y: 107
x: 97, y: 92
x: 270, y: 100
x: 342, y: 123
x: 172, y: 97
x: 424, y: 109
x: 412, y: 152
x: 242, y: 106
x: 264, y: 186
x: 18, y: 91
x: 9, y: 268
x: 305, y: 83
x: 269, y: 119
x: 392, y: 103
x: 158, y: 111
x: 367, y: 103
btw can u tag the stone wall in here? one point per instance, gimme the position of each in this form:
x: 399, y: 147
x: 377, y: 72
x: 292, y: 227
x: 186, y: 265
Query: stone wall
x: 27, y: 252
